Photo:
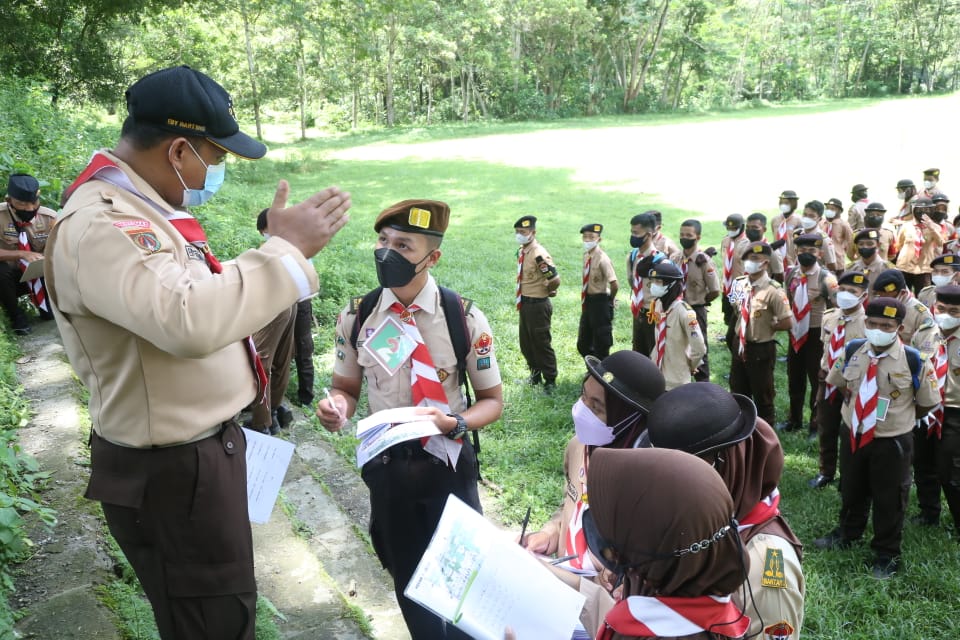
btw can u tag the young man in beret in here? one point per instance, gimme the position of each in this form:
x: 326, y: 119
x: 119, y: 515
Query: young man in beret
x: 869, y: 262
x: 810, y: 289
x: 811, y: 221
x: 701, y: 286
x: 931, y: 183
x: 839, y: 326
x: 784, y: 224
x: 643, y: 255
x: 920, y: 241
x: 918, y: 327
x: 732, y: 246
x: 598, y: 293
x: 678, y: 345
x: 887, y: 248
x: 410, y: 482
x: 944, y: 270
x: 940, y: 467
x: 537, y: 282
x: 158, y: 331
x: 757, y: 232
x: 762, y: 310
x: 26, y: 226
x: 836, y: 228
x: 857, y: 210
x: 886, y: 386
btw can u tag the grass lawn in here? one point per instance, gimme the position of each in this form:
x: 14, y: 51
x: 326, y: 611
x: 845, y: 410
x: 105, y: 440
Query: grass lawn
x: 522, y: 453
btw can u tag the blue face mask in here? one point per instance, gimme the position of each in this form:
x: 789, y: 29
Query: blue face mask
x: 211, y: 183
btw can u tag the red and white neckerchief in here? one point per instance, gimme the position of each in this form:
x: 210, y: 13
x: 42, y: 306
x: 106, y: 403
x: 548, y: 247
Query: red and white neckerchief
x: 38, y: 294
x: 652, y: 617
x: 767, y: 508
x: 728, y: 267
x: 838, y: 342
x: 683, y: 270
x: 103, y: 168
x: 745, y: 311
x: 519, y: 275
x: 783, y: 233
x: 575, y: 543
x: 800, y: 304
x: 586, y: 278
x: 636, y: 285
x: 661, y: 335
x: 828, y: 227
x: 941, y: 364
x: 917, y: 241
x: 864, y: 416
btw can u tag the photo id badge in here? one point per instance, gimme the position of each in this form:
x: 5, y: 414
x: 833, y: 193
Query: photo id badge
x: 882, y: 405
x: 390, y: 345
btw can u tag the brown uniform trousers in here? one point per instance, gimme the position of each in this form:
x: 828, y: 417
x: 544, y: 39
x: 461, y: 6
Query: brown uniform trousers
x: 275, y: 346
x: 803, y: 366
x: 828, y: 411
x: 303, y: 351
x: 536, y: 343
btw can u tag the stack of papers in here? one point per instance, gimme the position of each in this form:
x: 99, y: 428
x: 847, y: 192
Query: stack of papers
x: 383, y: 429
x: 476, y: 577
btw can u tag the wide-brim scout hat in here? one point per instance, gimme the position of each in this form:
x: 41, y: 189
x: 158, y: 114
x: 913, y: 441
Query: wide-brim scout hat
x: 699, y: 417
x: 428, y: 217
x: 758, y: 248
x: 788, y: 194
x: 857, y: 188
x: 853, y: 279
x: 889, y: 282
x: 886, y: 308
x: 876, y: 206
x: 922, y: 203
x: 733, y: 222
x: 23, y: 187
x: 940, y: 197
x: 665, y: 270
x: 594, y: 227
x: 185, y: 101
x: 906, y: 183
x: 947, y: 260
x: 835, y: 202
x: 631, y: 376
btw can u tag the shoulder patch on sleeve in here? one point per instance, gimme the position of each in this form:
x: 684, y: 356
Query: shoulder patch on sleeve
x: 467, y: 305
x: 355, y: 304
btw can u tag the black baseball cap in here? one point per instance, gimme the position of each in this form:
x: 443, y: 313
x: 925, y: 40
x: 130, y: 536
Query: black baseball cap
x: 183, y: 100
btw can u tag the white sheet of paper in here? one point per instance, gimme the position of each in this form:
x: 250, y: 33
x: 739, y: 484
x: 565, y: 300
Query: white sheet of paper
x: 372, y: 446
x: 475, y: 576
x: 34, y: 270
x: 387, y: 416
x: 267, y: 462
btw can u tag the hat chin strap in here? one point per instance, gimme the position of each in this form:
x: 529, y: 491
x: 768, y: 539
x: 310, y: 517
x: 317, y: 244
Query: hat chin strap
x: 621, y: 427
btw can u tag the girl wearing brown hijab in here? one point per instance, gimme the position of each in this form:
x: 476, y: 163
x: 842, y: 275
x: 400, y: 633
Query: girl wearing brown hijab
x: 672, y: 541
x: 746, y: 452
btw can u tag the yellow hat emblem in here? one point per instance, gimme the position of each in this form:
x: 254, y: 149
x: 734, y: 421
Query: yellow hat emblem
x: 948, y: 259
x: 525, y: 223
x: 758, y: 249
x: 608, y: 377
x: 858, y: 279
x: 596, y: 228
x: 890, y: 312
x: 419, y: 218
x: 653, y: 274
x: 890, y: 287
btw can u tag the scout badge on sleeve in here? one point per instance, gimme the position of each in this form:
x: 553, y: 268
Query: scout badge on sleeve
x: 390, y: 345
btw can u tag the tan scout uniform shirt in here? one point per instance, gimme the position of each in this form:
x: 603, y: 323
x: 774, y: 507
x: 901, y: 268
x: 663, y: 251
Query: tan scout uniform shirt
x: 928, y: 296
x: 601, y: 272
x: 952, y: 388
x: 872, y: 270
x: 740, y: 244
x: 37, y: 231
x: 853, y: 329
x: 387, y: 392
x: 768, y: 305
x: 701, y: 279
x: 793, y: 224
x: 855, y: 213
x: 781, y: 602
x: 895, y: 383
x: 907, y: 260
x: 684, y: 349
x: 152, y: 333
x: 665, y: 245
x: 840, y: 233
x: 919, y: 328
x: 821, y: 289
x: 533, y: 283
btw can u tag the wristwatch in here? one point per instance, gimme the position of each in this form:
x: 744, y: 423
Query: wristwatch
x: 461, y: 428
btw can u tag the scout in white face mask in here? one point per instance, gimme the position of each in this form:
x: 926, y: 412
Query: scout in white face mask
x: 598, y: 293
x: 944, y: 271
x: 931, y: 177
x: 788, y: 202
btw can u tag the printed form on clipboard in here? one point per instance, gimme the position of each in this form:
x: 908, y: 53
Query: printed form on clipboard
x: 383, y: 429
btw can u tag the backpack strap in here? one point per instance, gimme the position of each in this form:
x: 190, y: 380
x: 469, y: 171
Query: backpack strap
x: 850, y: 348
x: 915, y: 360
x: 362, y: 306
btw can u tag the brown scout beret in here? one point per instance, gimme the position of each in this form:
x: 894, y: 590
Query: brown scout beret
x: 886, y: 308
x: 429, y: 217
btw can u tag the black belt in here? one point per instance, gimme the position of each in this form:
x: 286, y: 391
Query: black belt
x: 529, y: 300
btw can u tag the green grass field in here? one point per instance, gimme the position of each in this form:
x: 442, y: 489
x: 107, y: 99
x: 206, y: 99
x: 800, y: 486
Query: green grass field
x: 522, y: 453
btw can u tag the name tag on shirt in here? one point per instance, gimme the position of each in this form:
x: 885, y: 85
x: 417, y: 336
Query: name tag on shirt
x: 882, y: 405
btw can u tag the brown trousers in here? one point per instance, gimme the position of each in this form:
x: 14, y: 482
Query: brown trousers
x: 536, y: 343
x: 828, y: 429
x: 180, y: 517
x: 803, y: 367
x: 753, y: 376
x: 275, y: 345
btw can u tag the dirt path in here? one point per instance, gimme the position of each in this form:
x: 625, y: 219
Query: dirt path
x: 307, y: 562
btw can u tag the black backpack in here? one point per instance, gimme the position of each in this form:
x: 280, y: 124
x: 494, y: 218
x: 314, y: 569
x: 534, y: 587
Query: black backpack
x: 455, y: 309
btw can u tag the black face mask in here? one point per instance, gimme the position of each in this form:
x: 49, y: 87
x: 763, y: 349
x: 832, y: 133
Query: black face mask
x: 393, y: 270
x: 754, y: 235
x: 23, y: 214
x: 873, y: 221
x: 806, y: 259
x: 866, y: 252
x: 938, y: 216
x: 688, y: 243
x: 638, y: 241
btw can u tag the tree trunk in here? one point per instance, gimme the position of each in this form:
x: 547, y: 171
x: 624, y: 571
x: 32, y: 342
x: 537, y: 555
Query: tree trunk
x: 302, y: 84
x: 653, y: 48
x: 251, y: 68
x: 391, y: 51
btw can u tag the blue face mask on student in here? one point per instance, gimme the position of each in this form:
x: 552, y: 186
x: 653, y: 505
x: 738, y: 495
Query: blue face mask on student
x: 211, y: 183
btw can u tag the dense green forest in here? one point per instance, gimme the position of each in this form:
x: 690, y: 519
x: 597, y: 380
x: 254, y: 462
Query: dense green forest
x: 350, y: 63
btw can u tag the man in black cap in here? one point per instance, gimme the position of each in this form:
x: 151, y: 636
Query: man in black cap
x: 918, y: 327
x: 811, y: 221
x: 837, y: 229
x: 762, y: 309
x: 945, y: 270
x: 598, y: 293
x: 886, y: 386
x: 747, y: 454
x: 941, y: 467
x: 886, y: 237
x: 810, y: 290
x: 856, y: 212
x: 920, y: 240
x: 537, y: 282
x: 839, y: 326
x: 784, y: 224
x: 410, y: 482
x: 158, y: 331
x: 931, y: 183
x: 26, y: 226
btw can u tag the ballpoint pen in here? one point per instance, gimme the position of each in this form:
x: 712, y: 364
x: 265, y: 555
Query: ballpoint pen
x: 523, y: 530
x: 333, y: 404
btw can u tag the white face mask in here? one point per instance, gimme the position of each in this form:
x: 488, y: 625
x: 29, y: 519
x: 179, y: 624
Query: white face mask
x: 929, y: 184
x: 587, y: 246
x: 807, y: 223
x: 589, y: 428
x: 752, y: 266
x: 784, y: 209
x: 900, y: 194
x: 846, y: 300
x: 830, y: 213
x: 734, y: 233
x: 659, y: 290
x: 879, y: 337
x: 941, y: 281
x: 524, y: 239
x: 946, y: 321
